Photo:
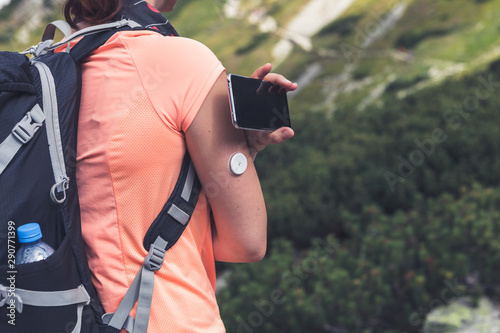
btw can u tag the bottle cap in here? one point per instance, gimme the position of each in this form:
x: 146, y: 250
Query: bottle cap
x: 29, y: 233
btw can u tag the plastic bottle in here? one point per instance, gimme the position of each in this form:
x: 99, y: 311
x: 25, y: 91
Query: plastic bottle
x: 32, y: 247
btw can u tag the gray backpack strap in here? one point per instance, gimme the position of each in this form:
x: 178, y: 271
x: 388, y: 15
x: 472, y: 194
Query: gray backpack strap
x: 50, y: 30
x: 24, y: 131
x: 51, y: 109
x: 47, y: 45
x: 127, y: 326
x: 47, y: 299
x: 176, y: 214
x: 21, y: 134
x: 140, y: 291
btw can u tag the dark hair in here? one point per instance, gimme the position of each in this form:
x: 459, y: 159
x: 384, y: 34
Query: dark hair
x: 92, y: 11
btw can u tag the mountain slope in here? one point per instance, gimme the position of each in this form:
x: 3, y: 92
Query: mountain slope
x: 371, y: 45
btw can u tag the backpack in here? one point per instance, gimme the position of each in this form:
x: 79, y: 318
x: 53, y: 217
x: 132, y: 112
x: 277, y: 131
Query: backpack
x: 39, y: 103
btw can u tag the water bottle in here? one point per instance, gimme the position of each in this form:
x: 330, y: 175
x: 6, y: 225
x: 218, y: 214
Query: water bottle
x: 32, y: 247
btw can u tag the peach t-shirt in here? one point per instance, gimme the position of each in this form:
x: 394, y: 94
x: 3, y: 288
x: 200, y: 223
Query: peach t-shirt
x: 141, y: 91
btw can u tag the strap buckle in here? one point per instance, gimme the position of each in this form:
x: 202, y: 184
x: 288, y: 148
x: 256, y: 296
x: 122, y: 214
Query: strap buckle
x: 62, y: 186
x: 42, y: 48
x: 9, y: 297
x: 155, y: 257
x: 26, y: 128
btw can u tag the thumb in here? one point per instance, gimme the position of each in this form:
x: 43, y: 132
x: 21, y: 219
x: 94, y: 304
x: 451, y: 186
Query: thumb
x: 261, y: 72
x: 281, y: 135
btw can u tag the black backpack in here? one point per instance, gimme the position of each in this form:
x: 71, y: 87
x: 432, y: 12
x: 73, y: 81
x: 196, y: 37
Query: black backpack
x: 39, y: 103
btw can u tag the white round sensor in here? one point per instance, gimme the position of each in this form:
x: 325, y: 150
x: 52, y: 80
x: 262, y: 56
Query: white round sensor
x: 238, y: 164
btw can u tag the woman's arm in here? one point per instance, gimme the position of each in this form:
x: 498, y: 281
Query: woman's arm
x: 237, y: 202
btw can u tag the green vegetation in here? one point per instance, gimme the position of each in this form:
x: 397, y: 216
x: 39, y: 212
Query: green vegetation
x: 8, y: 9
x: 410, y: 39
x: 401, y: 243
x: 378, y: 217
x: 343, y: 26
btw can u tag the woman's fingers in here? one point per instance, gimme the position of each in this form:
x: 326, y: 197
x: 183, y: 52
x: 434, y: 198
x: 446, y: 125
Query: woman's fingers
x: 258, y: 140
x: 261, y: 72
x: 264, y: 73
x: 280, y: 80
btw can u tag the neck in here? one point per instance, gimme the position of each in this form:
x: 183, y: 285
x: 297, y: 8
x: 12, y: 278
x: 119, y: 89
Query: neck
x: 162, y: 5
x: 155, y: 3
x: 82, y: 25
x: 144, y: 13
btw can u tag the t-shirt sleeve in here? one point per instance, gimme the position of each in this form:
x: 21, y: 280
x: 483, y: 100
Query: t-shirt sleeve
x: 177, y: 74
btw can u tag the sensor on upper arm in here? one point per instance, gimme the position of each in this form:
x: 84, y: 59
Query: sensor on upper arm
x: 238, y: 164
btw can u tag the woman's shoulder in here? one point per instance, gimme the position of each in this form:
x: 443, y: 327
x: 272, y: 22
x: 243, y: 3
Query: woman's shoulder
x: 155, y: 43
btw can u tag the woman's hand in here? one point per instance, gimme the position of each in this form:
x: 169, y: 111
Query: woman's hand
x: 258, y: 140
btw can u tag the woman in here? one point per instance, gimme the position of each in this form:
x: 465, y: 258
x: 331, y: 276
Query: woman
x: 147, y: 98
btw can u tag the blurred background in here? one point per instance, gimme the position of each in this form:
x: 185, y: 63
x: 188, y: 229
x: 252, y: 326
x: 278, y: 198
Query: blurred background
x: 384, y: 209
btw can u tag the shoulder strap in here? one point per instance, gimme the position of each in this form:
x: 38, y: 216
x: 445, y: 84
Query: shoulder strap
x: 176, y: 213
x: 90, y: 43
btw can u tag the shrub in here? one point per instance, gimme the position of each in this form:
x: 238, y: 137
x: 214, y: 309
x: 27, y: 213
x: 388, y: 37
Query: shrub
x: 343, y: 26
x: 385, y: 278
x: 410, y: 39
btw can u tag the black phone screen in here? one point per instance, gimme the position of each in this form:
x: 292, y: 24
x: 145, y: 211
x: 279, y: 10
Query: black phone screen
x: 257, y: 104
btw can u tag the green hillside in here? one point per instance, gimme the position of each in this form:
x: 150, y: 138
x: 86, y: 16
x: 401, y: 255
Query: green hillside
x: 384, y: 205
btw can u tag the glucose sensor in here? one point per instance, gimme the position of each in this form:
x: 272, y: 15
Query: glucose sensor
x: 238, y: 164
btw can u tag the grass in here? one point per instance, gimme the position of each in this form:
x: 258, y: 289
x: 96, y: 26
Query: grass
x: 438, y: 33
x: 470, y: 42
x: 239, y: 45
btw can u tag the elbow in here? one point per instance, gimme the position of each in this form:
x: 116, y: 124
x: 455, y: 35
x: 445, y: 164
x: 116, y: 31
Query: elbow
x: 255, y: 254
x: 238, y: 253
x: 245, y: 244
x: 253, y: 249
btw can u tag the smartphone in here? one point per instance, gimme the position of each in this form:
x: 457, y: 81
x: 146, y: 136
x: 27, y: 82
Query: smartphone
x: 257, y: 104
